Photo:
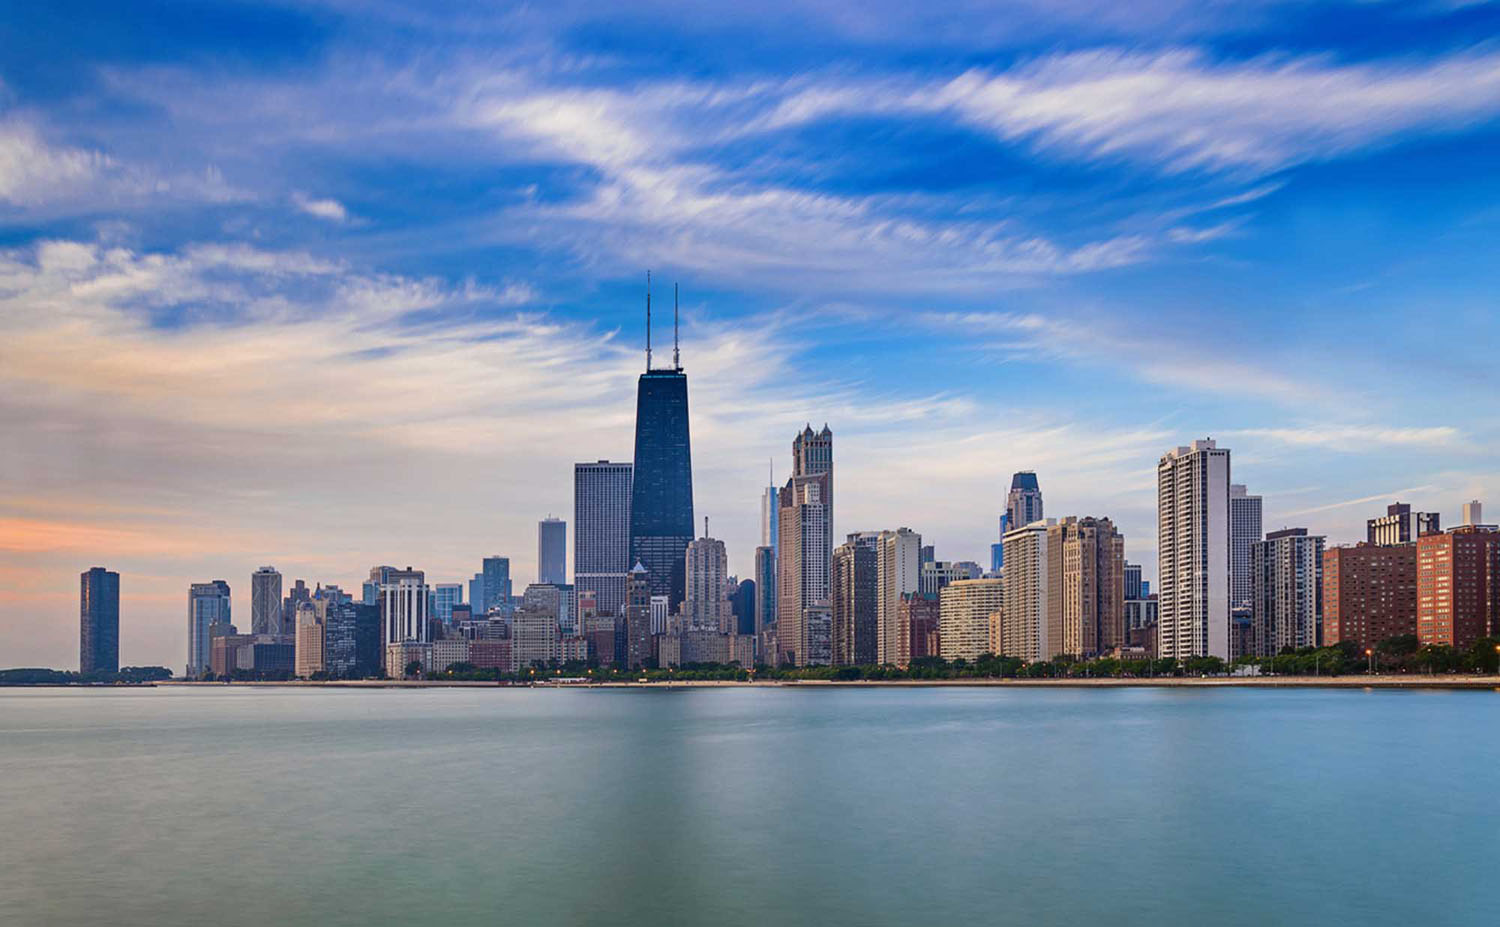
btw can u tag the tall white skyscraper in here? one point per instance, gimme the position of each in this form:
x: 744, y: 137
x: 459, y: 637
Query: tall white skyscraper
x: 404, y: 599
x: 208, y: 604
x: 1244, y: 530
x: 1192, y: 509
x: 265, y: 601
x: 1024, y: 622
x: 601, y: 532
x: 898, y: 572
x: 768, y: 507
x: 552, y: 551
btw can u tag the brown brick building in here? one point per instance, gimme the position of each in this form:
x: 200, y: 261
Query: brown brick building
x: 1369, y: 593
x: 1458, y: 586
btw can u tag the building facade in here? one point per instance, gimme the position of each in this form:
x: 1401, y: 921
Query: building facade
x: 661, y: 502
x: 310, y: 656
x: 552, y: 551
x: 601, y: 532
x: 208, y: 605
x: 1085, y: 587
x: 1245, y: 528
x: 1458, y: 586
x: 265, y: 601
x: 898, y: 573
x: 1023, y: 504
x: 1400, y: 525
x: 965, y: 610
x: 1192, y: 506
x: 804, y: 631
x: 706, y: 575
x: 1369, y: 593
x: 404, y: 599
x: 1288, y: 591
x: 855, y: 616
x: 1024, y: 629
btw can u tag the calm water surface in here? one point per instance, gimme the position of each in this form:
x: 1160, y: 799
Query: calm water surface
x: 870, y: 806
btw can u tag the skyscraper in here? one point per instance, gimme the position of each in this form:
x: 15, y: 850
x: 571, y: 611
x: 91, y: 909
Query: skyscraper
x: 804, y: 553
x: 1458, y: 586
x: 444, y: 597
x: 497, y: 587
x: 1192, y: 509
x: 1369, y: 593
x: 310, y: 655
x: 1288, y: 590
x: 765, y: 592
x: 1473, y: 513
x: 768, y: 510
x: 403, y: 615
x: 704, y: 606
x: 1023, y: 504
x: 1024, y: 625
x: 1085, y: 587
x: 661, y: 497
x: 297, y: 595
x: 897, y: 574
x: 98, y: 621
x: 1244, y: 531
x: 265, y: 601
x: 552, y: 551
x: 601, y: 532
x: 208, y: 605
x: 637, y: 617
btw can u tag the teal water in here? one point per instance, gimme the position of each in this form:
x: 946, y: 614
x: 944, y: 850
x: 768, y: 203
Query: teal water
x: 728, y: 807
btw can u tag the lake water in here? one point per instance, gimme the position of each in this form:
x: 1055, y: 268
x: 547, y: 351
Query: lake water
x: 242, y: 806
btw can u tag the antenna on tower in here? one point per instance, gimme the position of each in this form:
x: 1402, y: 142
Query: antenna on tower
x: 705, y: 526
x: 648, y: 321
x: 676, y: 362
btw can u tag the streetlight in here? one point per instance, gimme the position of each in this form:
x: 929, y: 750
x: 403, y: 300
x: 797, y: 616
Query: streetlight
x: 1370, y: 657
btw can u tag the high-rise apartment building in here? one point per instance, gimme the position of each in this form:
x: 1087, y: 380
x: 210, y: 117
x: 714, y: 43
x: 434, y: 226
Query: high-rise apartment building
x: 661, y: 502
x: 898, y: 572
x: 1085, y: 587
x: 1023, y: 504
x: 855, y: 616
x: 1473, y: 513
x: 552, y: 551
x: 706, y: 571
x: 812, y: 456
x: 535, y: 637
x: 918, y: 617
x: 1244, y: 530
x: 1024, y: 624
x: 1192, y: 506
x: 1458, y: 586
x: 1400, y: 525
x: 208, y: 605
x: 265, y: 601
x: 1132, y: 581
x: 404, y: 599
x: 1288, y: 591
x: 765, y: 591
x: 297, y: 595
x: 1369, y: 593
x: 601, y: 532
x: 964, y: 613
x: 98, y: 621
x: 555, y: 600
x: 804, y: 632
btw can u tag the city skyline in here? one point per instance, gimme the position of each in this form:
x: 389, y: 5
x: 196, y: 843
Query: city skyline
x: 382, y: 341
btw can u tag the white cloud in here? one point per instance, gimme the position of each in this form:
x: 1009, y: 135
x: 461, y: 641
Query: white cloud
x: 32, y: 170
x: 330, y: 209
x: 1356, y: 438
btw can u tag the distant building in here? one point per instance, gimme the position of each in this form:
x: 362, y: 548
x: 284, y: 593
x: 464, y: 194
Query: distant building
x: 497, y: 583
x: 404, y: 599
x: 1400, y: 525
x: 1023, y: 505
x: 661, y: 503
x: 742, y: 605
x: 557, y: 601
x: 919, y: 619
x: 446, y: 653
x: 401, y: 655
x: 638, y: 617
x: 444, y: 597
x: 769, y: 535
x: 1369, y: 593
x: 1244, y: 530
x: 1133, y: 581
x: 535, y: 637
x: 298, y: 595
x: 1085, y: 587
x: 1458, y: 586
x: 208, y: 605
x: 310, y: 654
x: 552, y: 551
x: 898, y: 572
x: 601, y: 532
x: 1024, y: 632
x: 964, y: 612
x: 1473, y: 514
x: 765, y: 590
x: 98, y: 621
x: 804, y: 631
x: 1193, y: 555
x: 935, y: 574
x: 265, y: 601
x: 855, y: 613
x: 1288, y: 598
x: 706, y: 573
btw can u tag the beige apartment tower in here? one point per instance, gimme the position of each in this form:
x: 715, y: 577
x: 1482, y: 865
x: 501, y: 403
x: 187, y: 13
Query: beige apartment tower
x: 1086, y: 587
x: 965, y: 610
x: 1023, y: 630
x: 1193, y: 551
x: 898, y: 565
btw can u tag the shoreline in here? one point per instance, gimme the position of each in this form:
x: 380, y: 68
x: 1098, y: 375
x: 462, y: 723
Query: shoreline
x: 1168, y: 682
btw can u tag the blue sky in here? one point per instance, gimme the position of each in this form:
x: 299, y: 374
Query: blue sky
x: 329, y: 284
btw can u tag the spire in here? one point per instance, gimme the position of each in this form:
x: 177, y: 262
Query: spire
x: 705, y: 526
x: 676, y: 361
x: 648, y: 321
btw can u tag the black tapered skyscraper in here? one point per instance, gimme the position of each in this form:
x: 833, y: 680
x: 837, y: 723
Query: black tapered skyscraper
x: 661, y: 498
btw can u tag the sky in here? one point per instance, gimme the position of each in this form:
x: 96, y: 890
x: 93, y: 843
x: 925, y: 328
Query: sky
x: 325, y: 285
